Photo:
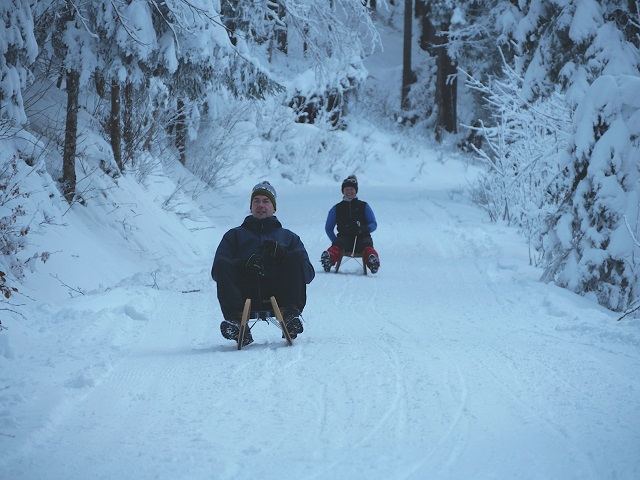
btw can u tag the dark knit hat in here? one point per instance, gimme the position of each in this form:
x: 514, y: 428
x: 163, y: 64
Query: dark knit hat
x: 350, y: 181
x: 266, y: 189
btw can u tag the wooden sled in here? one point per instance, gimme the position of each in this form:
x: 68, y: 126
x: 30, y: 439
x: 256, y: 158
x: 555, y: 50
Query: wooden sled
x: 352, y: 255
x: 271, y: 310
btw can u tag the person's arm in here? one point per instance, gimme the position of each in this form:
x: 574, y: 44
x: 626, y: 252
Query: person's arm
x: 225, y: 252
x: 296, y: 245
x: 371, y: 218
x: 330, y: 224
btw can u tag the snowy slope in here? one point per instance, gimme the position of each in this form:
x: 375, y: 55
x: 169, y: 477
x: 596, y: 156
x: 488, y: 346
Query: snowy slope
x: 453, y: 362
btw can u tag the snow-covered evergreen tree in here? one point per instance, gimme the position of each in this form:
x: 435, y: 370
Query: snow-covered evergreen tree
x: 570, y: 43
x: 592, y: 243
x: 194, y: 50
x: 18, y: 50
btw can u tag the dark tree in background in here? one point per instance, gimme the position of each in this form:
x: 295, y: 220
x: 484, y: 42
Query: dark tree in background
x: 181, y: 132
x: 434, y: 22
x: 115, y: 127
x: 277, y: 16
x: 407, y: 73
x: 446, y: 85
x: 70, y: 136
x: 65, y: 24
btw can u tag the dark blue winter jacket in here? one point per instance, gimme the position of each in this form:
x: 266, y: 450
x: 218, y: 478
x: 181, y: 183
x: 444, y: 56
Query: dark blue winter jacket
x: 239, y: 243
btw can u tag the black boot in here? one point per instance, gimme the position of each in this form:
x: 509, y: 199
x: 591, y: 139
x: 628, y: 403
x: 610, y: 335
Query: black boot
x: 325, y: 260
x: 230, y: 330
x: 373, y: 263
x: 291, y: 316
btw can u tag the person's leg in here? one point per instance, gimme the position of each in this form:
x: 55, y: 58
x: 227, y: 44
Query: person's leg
x: 335, y: 254
x: 346, y: 243
x: 291, y: 291
x: 289, y: 285
x: 364, y: 242
x: 372, y: 259
x: 231, y: 290
x: 369, y: 253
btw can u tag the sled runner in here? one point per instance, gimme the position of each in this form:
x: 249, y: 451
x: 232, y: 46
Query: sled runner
x: 352, y: 254
x: 267, y: 313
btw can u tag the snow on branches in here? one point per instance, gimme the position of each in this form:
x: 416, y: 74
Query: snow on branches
x: 590, y: 246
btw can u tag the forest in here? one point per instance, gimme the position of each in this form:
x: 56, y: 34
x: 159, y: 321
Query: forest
x: 544, y: 94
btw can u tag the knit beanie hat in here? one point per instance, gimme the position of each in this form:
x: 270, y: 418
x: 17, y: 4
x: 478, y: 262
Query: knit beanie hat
x: 264, y: 188
x: 350, y: 181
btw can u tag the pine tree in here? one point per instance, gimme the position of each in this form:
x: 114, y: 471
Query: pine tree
x: 591, y: 244
x: 570, y: 43
x: 18, y: 50
x: 407, y: 73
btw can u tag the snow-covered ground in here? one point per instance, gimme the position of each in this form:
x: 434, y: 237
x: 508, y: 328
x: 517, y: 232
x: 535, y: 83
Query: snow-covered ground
x: 453, y: 362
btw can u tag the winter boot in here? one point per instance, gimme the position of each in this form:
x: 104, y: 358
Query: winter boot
x: 291, y: 316
x: 325, y: 260
x: 230, y: 330
x: 373, y: 263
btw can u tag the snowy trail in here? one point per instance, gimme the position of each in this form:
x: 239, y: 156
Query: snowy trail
x: 452, y: 363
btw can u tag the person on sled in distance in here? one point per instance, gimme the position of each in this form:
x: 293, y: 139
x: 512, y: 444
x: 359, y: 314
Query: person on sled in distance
x: 355, y: 221
x: 259, y: 259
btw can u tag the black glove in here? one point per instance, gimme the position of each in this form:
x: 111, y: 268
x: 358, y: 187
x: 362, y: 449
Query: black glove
x: 275, y: 250
x: 360, y: 229
x: 255, y: 265
x: 363, y: 229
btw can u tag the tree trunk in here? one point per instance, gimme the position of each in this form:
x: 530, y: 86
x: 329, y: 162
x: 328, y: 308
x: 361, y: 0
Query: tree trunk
x: 181, y: 133
x: 152, y: 121
x: 115, y: 126
x: 151, y: 130
x: 127, y: 124
x: 446, y: 86
x: 277, y: 15
x: 433, y: 41
x: 281, y: 30
x: 407, y: 74
x: 70, y: 137
x: 427, y: 33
